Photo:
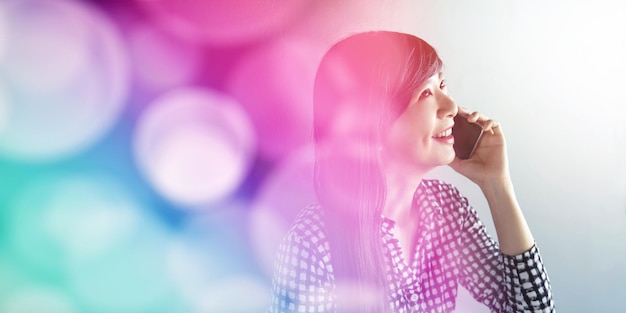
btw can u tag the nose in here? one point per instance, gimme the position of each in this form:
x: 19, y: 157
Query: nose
x: 447, y: 106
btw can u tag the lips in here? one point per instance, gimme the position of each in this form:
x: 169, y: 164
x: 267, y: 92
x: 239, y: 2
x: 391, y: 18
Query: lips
x: 444, y: 133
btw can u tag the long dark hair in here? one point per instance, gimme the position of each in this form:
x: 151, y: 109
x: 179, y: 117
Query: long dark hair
x: 364, y: 82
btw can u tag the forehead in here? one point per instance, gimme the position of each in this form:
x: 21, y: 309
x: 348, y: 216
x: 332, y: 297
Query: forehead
x: 433, y: 79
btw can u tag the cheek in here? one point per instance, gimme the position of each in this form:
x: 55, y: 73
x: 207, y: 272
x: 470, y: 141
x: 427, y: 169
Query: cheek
x: 406, y: 140
x: 418, y: 133
x: 410, y: 134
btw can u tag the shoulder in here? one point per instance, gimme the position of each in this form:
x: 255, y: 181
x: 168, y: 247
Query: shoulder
x: 308, y: 228
x: 446, y: 195
x: 442, y: 191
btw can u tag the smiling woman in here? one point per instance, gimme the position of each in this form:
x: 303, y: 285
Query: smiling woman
x: 382, y: 238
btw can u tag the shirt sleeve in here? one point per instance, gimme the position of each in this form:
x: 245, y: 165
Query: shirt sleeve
x: 504, y: 283
x: 300, y: 282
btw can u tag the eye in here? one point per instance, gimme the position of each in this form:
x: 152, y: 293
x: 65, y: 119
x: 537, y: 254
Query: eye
x: 442, y: 85
x: 425, y: 93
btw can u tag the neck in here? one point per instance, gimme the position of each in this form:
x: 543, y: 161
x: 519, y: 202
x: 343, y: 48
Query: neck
x: 402, y: 179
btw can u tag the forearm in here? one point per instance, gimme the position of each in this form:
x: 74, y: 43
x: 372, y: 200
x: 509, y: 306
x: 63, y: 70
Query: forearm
x: 514, y: 236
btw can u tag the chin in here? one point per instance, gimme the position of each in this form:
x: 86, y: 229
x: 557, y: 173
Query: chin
x: 448, y: 158
x: 442, y: 161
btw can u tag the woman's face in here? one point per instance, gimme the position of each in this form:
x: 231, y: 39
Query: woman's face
x: 422, y: 135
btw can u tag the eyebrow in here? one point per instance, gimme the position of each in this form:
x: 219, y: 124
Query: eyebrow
x: 423, y: 85
x: 439, y: 76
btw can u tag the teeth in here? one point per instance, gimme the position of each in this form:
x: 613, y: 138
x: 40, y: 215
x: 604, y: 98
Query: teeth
x: 445, y: 133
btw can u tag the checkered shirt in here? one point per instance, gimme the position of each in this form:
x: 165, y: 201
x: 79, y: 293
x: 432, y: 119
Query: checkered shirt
x: 452, y: 248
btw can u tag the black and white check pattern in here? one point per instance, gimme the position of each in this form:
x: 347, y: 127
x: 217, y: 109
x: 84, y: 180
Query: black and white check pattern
x: 453, y: 248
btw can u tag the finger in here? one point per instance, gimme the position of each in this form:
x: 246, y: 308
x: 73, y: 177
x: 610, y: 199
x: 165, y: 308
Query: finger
x: 488, y: 125
x: 474, y: 117
x: 496, y: 128
x: 491, y: 126
x: 462, y: 111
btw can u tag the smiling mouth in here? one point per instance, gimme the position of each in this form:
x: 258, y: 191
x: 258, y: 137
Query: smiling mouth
x: 444, y: 133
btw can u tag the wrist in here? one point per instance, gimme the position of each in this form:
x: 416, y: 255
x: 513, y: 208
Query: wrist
x: 497, y: 186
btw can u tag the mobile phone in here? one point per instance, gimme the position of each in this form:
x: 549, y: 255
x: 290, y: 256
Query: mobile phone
x: 466, y: 137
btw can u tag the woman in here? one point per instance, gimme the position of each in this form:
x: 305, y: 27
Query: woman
x: 382, y: 238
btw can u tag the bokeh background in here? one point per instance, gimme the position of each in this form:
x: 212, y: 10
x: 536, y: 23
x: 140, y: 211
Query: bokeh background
x: 153, y: 152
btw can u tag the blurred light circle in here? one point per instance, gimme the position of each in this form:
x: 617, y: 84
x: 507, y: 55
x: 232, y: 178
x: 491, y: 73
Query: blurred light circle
x: 12, y: 277
x: 130, y: 278
x: 90, y: 230
x: 275, y: 85
x: 4, y: 107
x: 224, y: 21
x: 190, y: 268
x: 65, y: 74
x: 159, y: 60
x: 212, y: 249
x: 225, y: 296
x: 37, y: 299
x: 286, y: 191
x: 194, y: 145
x: 48, y: 45
x: 198, y: 276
